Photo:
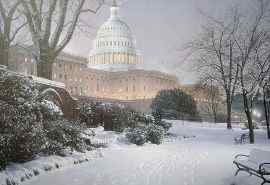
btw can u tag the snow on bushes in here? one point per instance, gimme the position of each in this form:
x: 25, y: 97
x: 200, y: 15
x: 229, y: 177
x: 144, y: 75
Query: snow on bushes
x: 142, y: 134
x: 16, y: 89
x: 49, y: 110
x: 62, y: 134
x: 21, y: 132
x: 155, y: 134
x: 137, y: 136
x: 31, y: 124
x: 16, y: 174
x: 91, y: 114
x: 112, y: 117
x: 165, y: 125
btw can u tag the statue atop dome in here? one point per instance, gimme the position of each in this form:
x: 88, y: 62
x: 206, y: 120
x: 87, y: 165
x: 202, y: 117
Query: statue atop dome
x: 114, y: 10
x: 114, y: 4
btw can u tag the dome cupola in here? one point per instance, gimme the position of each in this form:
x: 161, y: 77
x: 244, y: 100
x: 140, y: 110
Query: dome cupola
x: 114, y: 47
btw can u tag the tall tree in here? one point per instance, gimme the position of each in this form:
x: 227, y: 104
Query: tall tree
x: 213, y: 52
x: 213, y: 104
x: 52, y: 24
x: 11, y: 23
x: 253, y: 52
x: 266, y: 103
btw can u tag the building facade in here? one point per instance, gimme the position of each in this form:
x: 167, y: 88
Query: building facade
x: 114, y: 69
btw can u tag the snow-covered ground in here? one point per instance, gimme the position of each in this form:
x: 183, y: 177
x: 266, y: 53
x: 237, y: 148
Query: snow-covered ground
x: 182, y: 159
x: 17, y: 173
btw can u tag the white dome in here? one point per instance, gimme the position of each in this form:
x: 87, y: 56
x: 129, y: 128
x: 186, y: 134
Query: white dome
x: 114, y: 28
x: 114, y: 36
x: 114, y: 48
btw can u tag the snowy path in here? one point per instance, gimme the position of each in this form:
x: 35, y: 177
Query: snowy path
x: 204, y: 160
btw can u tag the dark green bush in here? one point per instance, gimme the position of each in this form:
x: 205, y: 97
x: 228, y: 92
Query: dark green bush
x: 15, y: 89
x: 165, y: 125
x: 155, y: 134
x: 21, y: 132
x: 62, y: 134
x: 112, y: 116
x: 174, y: 104
x: 91, y: 114
x: 137, y: 136
x: 142, y: 134
x: 31, y: 124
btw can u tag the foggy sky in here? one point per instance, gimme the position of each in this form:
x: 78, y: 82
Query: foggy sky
x: 160, y: 27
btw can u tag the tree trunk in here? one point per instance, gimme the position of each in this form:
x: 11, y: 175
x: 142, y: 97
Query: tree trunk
x: 266, y: 109
x: 249, y: 118
x: 45, y: 66
x: 215, y: 119
x: 44, y: 70
x: 229, y: 112
x: 4, y: 52
x: 215, y: 115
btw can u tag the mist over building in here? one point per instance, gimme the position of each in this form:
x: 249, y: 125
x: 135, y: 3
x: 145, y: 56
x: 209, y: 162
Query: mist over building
x: 113, y: 70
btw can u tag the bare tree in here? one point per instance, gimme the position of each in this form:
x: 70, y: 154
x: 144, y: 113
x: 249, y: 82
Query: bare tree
x: 253, y: 51
x: 213, y: 104
x: 11, y: 23
x: 214, y: 53
x: 52, y: 24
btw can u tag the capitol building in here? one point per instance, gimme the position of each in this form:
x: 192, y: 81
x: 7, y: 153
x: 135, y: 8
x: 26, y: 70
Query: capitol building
x: 113, y: 72
x: 114, y: 69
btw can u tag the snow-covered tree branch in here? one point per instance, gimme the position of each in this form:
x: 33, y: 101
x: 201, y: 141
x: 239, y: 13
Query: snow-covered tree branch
x: 52, y: 24
x: 11, y: 23
x: 253, y: 51
x: 213, y: 51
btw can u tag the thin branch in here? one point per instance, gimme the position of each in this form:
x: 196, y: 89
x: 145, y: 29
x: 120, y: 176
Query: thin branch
x: 17, y: 31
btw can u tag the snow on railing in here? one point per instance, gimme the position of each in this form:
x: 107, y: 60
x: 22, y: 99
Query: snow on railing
x: 36, y: 79
x: 101, y: 140
x: 3, y: 67
x: 48, y: 82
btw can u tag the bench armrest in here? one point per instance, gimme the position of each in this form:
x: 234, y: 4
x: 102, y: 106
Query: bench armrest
x: 262, y: 169
x: 241, y: 155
